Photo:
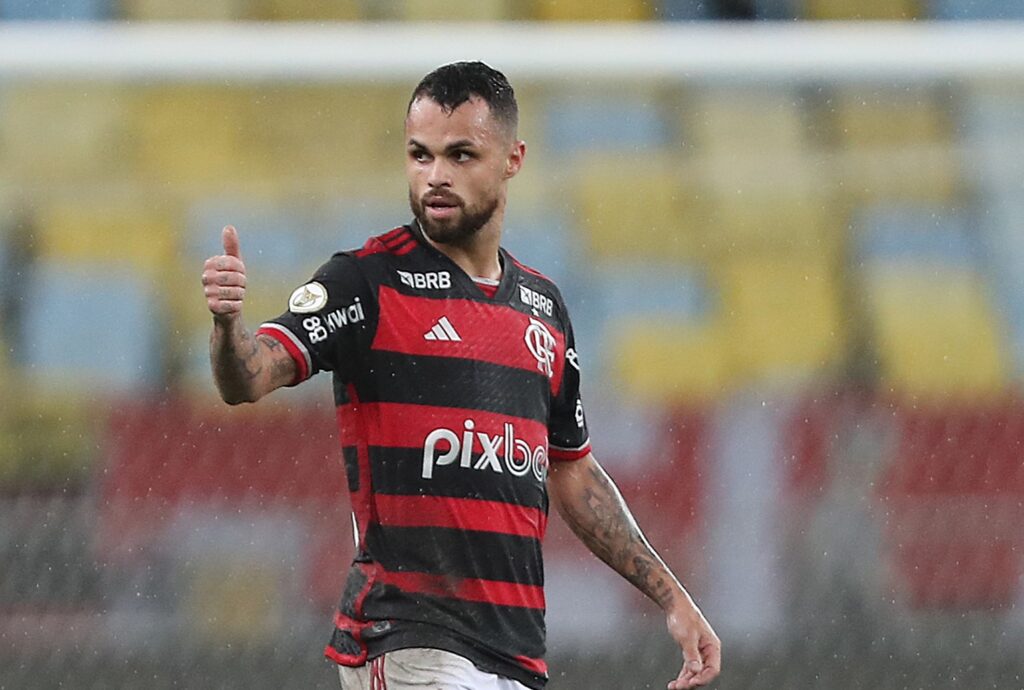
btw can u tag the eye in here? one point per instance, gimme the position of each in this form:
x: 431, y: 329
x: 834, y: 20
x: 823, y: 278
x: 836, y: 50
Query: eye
x: 419, y: 155
x: 463, y: 156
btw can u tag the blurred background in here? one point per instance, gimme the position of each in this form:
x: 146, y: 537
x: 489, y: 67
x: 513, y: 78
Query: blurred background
x: 797, y: 289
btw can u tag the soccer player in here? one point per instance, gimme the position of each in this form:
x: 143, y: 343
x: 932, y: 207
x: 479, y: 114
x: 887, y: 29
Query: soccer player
x: 457, y: 385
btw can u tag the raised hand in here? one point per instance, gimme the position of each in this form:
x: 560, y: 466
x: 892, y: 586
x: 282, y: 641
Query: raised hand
x: 224, y: 277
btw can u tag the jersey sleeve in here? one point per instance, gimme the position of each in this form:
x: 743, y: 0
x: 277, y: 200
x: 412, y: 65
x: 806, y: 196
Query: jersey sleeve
x: 325, y: 320
x: 568, y: 438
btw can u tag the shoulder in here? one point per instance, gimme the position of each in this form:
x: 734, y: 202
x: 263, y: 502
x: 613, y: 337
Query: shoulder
x: 539, y: 291
x: 395, y: 242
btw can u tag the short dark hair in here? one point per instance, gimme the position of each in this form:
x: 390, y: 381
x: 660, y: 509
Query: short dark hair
x: 452, y: 85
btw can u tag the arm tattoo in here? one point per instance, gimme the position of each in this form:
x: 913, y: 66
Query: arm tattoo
x: 237, y: 361
x: 599, y: 516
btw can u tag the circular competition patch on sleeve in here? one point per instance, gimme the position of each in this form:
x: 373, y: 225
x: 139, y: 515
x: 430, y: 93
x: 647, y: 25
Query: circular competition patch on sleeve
x: 308, y: 298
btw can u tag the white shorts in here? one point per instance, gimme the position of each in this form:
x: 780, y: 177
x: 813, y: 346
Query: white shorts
x: 422, y: 669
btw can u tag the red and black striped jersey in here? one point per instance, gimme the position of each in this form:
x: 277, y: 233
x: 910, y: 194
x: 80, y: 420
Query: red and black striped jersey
x: 451, y: 403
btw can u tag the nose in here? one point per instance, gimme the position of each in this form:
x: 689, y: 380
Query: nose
x: 439, y: 173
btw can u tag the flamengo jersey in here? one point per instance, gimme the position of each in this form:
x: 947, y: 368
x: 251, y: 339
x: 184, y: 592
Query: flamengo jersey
x: 450, y: 406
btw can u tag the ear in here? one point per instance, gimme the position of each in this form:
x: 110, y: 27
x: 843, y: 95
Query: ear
x: 515, y: 159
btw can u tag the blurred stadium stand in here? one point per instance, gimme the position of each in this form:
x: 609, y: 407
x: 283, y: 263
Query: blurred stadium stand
x: 798, y: 306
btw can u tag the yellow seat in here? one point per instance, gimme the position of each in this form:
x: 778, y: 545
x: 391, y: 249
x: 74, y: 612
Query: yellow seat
x: 782, y: 313
x: 863, y: 9
x: 936, y: 333
x: 642, y: 206
x: 665, y: 362
x: 52, y: 133
x: 131, y: 232
x: 473, y: 10
x: 304, y: 10
x: 724, y: 120
x: 204, y: 138
x: 185, y: 9
x: 588, y: 10
x: 47, y: 440
x: 894, y: 146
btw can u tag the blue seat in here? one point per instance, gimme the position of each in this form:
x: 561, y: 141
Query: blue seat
x: 579, y: 124
x: 976, y: 9
x: 91, y: 325
x: 56, y: 10
x: 917, y: 233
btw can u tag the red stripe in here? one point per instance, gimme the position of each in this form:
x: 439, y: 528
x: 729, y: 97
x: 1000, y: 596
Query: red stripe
x: 538, y: 666
x: 467, y: 589
x: 302, y: 371
x: 398, y: 240
x: 531, y: 271
x: 460, y: 513
x: 400, y: 425
x: 405, y: 319
x: 570, y: 455
x: 392, y: 234
x: 405, y: 248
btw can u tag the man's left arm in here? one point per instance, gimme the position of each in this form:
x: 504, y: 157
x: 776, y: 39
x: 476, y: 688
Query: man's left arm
x: 592, y: 506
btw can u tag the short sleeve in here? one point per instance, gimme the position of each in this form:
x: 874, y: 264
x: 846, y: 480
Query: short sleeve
x: 568, y: 438
x: 326, y: 319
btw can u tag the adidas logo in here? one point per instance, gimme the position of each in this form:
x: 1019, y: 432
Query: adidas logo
x: 443, y: 331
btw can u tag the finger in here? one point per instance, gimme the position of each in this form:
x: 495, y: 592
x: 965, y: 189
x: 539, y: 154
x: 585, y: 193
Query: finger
x: 224, y: 263
x: 224, y: 306
x: 230, y: 278
x: 229, y: 237
x: 225, y: 293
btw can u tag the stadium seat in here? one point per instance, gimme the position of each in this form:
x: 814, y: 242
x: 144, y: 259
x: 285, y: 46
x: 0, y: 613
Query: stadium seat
x: 314, y: 135
x: 457, y: 10
x: 638, y: 206
x: 201, y: 138
x: 864, y: 9
x: 209, y: 10
x: 55, y: 10
x: 746, y: 121
x: 934, y: 323
x: 92, y: 326
x: 303, y: 10
x: 127, y: 232
x: 935, y: 330
x: 975, y: 9
x: 52, y: 133
x: 613, y: 123
x: 664, y: 360
x: 782, y: 313
x: 686, y: 10
x: 895, y: 146
x: 586, y: 10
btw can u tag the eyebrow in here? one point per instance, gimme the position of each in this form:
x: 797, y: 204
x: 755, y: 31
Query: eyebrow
x: 455, y: 145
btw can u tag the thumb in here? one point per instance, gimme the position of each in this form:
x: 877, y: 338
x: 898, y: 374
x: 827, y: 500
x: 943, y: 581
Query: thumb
x: 691, y: 656
x: 229, y: 236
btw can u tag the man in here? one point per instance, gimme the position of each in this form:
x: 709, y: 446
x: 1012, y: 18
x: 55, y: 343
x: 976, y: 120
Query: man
x: 457, y: 385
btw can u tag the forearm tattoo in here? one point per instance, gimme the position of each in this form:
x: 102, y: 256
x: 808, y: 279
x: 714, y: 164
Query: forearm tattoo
x: 601, y: 519
x: 237, y: 360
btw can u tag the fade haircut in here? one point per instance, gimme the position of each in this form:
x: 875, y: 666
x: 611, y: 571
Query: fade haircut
x: 452, y: 85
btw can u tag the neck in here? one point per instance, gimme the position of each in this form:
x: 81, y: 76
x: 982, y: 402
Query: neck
x: 479, y: 256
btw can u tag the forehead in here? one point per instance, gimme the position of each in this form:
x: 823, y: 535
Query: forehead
x: 429, y: 124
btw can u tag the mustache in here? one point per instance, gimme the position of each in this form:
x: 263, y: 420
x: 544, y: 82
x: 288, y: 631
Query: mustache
x: 444, y: 197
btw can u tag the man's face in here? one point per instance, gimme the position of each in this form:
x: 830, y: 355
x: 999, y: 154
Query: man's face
x: 457, y: 165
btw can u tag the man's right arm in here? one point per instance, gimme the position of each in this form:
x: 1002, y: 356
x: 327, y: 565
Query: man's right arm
x: 245, y: 367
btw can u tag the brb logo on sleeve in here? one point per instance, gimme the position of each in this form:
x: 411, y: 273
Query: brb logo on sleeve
x: 501, y: 453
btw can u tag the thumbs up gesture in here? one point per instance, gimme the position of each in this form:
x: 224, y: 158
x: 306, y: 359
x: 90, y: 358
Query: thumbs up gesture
x: 224, y: 278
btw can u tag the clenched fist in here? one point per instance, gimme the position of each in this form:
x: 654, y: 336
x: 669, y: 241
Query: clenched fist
x: 224, y: 277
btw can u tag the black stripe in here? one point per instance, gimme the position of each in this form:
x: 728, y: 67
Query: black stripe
x: 512, y: 629
x: 400, y: 471
x: 351, y: 456
x: 455, y: 553
x: 450, y: 382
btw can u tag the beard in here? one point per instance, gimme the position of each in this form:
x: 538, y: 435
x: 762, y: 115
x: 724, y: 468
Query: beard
x: 460, y: 229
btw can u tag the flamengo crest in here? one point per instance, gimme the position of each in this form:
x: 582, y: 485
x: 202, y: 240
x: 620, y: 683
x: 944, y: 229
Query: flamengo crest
x: 541, y: 345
